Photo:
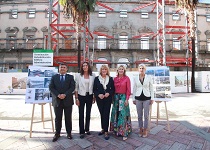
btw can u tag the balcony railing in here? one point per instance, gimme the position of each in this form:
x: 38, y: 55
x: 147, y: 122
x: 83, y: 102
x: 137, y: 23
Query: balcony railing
x: 110, y: 44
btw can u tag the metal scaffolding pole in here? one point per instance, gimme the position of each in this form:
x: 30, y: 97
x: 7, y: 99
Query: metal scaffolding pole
x: 49, y: 46
x: 58, y: 22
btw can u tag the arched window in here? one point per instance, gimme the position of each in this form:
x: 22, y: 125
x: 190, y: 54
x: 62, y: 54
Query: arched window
x: 124, y: 62
x: 100, y: 60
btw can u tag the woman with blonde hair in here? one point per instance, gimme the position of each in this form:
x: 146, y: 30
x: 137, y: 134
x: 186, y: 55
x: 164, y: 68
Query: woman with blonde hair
x: 120, y: 117
x: 103, y: 90
x: 143, y: 97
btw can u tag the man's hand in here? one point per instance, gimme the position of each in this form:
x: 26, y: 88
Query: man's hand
x: 61, y: 96
x: 134, y: 102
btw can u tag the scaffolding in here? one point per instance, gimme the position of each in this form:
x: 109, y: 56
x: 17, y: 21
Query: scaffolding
x: 160, y: 35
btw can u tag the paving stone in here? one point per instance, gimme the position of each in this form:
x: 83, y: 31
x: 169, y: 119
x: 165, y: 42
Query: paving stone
x: 161, y: 146
x: 192, y: 137
x: 197, y: 130
x: 117, y: 143
x: 75, y: 147
x: 19, y: 144
x: 99, y: 142
x: 206, y: 146
x: 12, y: 139
x: 156, y: 129
x: 83, y: 143
x: 110, y: 147
x: 144, y: 147
x: 48, y: 142
x: 40, y: 147
x: 33, y: 142
x: 133, y: 142
x: 194, y: 146
x: 58, y: 147
x: 14, y: 133
x: 178, y: 146
x: 173, y: 138
x: 162, y: 140
x: 66, y: 143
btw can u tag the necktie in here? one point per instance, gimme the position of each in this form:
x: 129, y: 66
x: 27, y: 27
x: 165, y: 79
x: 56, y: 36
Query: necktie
x: 62, y: 80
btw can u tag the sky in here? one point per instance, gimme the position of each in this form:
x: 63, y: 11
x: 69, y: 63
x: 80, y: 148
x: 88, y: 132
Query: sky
x: 204, y: 1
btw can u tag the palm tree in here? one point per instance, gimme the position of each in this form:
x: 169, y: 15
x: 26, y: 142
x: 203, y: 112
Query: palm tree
x: 190, y: 6
x: 79, y: 10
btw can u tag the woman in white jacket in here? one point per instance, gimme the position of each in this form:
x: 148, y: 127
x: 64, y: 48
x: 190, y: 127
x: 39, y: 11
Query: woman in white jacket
x: 84, y: 96
x: 142, y: 98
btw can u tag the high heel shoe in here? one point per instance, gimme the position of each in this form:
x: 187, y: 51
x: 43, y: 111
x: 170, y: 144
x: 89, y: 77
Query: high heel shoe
x: 145, y: 133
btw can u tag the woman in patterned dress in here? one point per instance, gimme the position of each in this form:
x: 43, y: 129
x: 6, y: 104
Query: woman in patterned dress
x: 120, y: 117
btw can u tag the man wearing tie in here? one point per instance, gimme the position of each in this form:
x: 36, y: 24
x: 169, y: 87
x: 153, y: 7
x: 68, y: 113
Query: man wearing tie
x: 62, y: 86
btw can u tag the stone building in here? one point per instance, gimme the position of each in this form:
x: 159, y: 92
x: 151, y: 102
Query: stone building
x: 121, y: 32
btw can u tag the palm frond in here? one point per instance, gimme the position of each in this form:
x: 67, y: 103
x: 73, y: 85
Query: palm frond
x: 78, y: 9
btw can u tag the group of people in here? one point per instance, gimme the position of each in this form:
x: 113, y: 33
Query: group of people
x: 106, y: 91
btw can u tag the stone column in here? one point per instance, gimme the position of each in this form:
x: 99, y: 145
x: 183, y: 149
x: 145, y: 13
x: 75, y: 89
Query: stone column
x: 112, y: 59
x: 134, y: 54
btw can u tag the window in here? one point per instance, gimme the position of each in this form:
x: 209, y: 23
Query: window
x: 101, y: 60
x: 31, y: 13
x: 208, y: 44
x: 144, y: 15
x: 101, y: 42
x: 208, y: 17
x: 30, y: 41
x: 102, y: 13
x: 14, y: 14
x: 176, y: 44
x: 11, y: 42
x: 123, y: 14
x: 175, y: 17
x: 48, y: 14
x: 123, y: 42
x: 144, y: 42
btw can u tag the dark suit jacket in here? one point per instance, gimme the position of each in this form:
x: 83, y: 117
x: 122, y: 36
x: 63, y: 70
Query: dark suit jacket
x: 56, y: 88
x: 98, y: 88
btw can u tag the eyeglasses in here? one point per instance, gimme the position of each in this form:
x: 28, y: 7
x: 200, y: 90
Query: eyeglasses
x: 141, y: 68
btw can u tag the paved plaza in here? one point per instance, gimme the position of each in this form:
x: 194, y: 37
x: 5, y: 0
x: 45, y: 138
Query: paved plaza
x: 189, y: 115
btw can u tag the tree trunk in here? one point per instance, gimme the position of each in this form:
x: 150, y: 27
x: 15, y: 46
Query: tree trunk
x: 193, y: 66
x: 79, y: 52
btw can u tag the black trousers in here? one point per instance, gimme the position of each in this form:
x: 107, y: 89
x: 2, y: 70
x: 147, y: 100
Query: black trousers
x: 84, y: 101
x: 58, y: 118
x: 104, y: 106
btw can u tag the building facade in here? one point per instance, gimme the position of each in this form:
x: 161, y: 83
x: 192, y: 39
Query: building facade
x: 124, y: 32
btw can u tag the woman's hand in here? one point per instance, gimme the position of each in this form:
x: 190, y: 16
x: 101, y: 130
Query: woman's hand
x: 94, y: 100
x: 77, y: 102
x: 151, y: 102
x: 106, y: 95
x: 126, y: 103
x: 134, y: 102
x: 101, y: 96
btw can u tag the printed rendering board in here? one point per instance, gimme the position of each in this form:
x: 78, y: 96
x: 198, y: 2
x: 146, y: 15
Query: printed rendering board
x: 161, y: 82
x: 37, y: 87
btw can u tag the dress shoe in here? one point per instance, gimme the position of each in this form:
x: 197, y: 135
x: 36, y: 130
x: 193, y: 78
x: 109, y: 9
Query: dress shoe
x: 101, y: 133
x: 55, y: 138
x: 69, y: 136
x: 82, y: 136
x: 106, y: 136
x: 88, y: 133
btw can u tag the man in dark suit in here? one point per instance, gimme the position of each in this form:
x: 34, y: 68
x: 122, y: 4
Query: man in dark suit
x: 62, y: 86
